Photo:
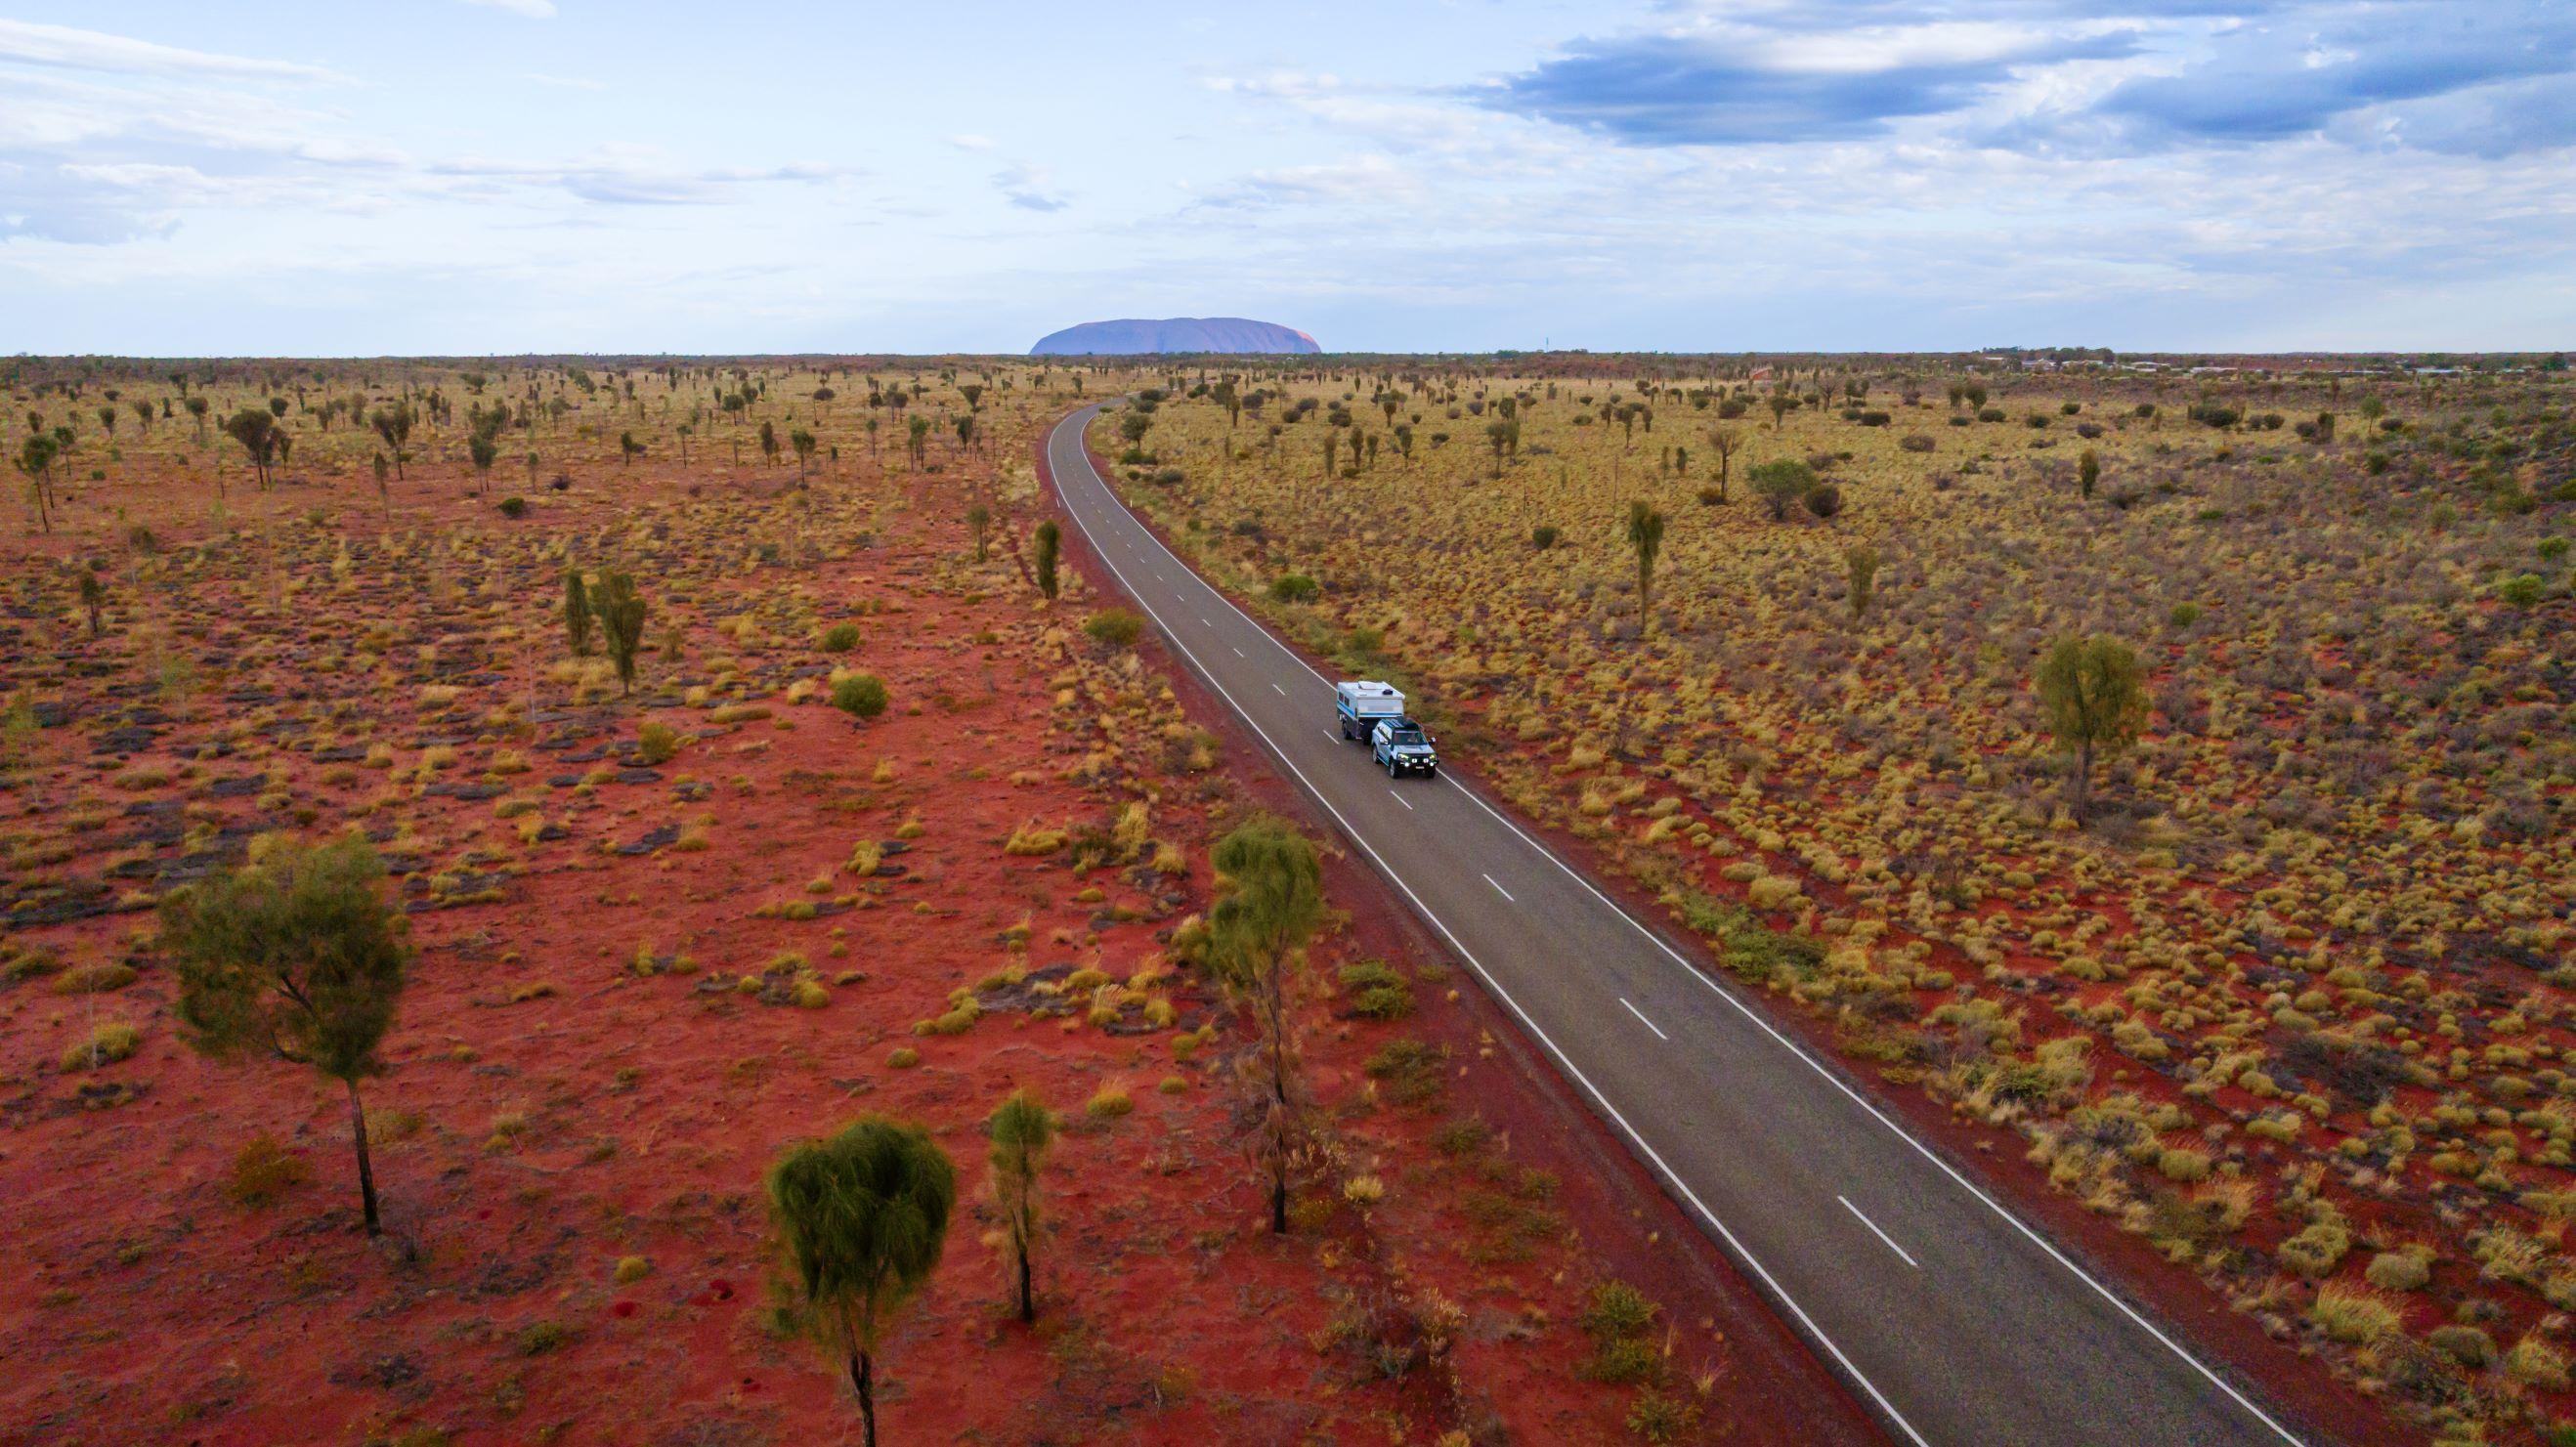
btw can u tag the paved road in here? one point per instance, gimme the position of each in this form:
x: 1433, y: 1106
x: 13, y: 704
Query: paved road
x: 1956, y: 1321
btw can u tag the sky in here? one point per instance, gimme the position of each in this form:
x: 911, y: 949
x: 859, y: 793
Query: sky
x: 482, y: 177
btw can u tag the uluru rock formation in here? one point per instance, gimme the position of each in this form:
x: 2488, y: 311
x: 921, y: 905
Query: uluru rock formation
x: 1131, y: 336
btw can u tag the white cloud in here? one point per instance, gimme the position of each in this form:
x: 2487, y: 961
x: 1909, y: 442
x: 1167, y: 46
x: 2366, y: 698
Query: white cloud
x: 968, y: 141
x: 1029, y: 188
x: 60, y: 45
x: 533, y: 9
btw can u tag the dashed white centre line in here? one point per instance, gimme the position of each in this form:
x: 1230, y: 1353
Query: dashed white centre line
x: 1889, y: 1241
x: 1651, y: 1025
x: 1498, y: 889
x: 1283, y: 693
x: 1239, y: 653
x: 1399, y: 798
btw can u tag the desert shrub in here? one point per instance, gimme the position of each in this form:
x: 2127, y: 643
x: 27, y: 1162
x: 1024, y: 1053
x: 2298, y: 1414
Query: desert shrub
x: 1295, y: 588
x: 2466, y: 1345
x: 656, y: 743
x: 1409, y: 1071
x: 1109, y: 1102
x: 1824, y: 500
x: 631, y: 1269
x: 1618, y: 1310
x: 1990, y: 414
x: 1655, y: 1417
x: 1462, y: 1137
x: 1622, y: 1361
x: 512, y: 507
x: 1543, y: 537
x: 2180, y: 1163
x: 2315, y: 1251
x: 106, y: 1043
x: 1115, y: 627
x: 540, y: 1337
x: 840, y: 637
x: 2353, y: 1315
x: 1781, y: 484
x: 860, y: 695
x: 1377, y: 991
x: 2184, y: 615
x: 264, y: 1170
x: 1916, y: 442
x: 2523, y: 591
x: 96, y: 978
x: 2536, y: 1363
x: 2399, y: 1270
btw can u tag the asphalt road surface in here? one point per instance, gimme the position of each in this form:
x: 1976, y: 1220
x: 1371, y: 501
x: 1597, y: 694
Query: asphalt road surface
x: 1953, y: 1319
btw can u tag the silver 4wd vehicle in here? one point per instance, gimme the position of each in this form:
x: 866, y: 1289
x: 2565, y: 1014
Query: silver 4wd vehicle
x: 1401, y: 747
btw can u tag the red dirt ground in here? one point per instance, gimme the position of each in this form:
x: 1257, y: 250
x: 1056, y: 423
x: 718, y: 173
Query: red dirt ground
x: 550, y: 1111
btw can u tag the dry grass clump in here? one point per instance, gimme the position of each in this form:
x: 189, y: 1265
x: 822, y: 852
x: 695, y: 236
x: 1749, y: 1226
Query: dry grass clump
x: 264, y: 1170
x: 106, y: 1043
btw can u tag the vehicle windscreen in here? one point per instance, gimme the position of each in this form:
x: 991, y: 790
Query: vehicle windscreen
x: 1404, y: 736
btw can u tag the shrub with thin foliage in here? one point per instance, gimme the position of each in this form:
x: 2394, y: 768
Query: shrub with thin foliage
x: 297, y: 956
x: 862, y: 1220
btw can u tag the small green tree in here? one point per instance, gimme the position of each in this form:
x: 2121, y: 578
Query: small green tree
x: 1646, y: 539
x: 803, y: 442
x: 1021, y: 1129
x: 93, y: 597
x: 979, y: 522
x: 1860, y: 566
x: 2094, y: 695
x: 862, y: 1220
x: 1781, y: 484
x: 576, y: 613
x: 621, y: 612
x: 1050, y: 544
x: 1272, y: 904
x: 257, y: 431
x: 36, y: 459
x: 628, y: 449
x: 394, y: 424
x: 297, y: 955
x: 2088, y: 471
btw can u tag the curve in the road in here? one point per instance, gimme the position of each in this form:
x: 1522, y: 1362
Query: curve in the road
x: 1956, y: 1319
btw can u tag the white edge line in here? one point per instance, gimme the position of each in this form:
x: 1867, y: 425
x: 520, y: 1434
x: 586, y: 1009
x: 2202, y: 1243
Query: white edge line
x: 1733, y: 1243
x: 1658, y: 1029
x: 1887, y: 1240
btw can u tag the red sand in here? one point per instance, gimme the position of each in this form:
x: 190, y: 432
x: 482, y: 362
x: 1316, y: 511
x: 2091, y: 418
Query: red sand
x: 548, y: 1112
